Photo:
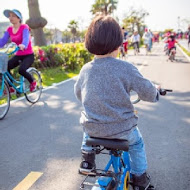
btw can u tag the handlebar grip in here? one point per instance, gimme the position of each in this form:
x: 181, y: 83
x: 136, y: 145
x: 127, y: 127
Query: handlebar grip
x: 164, y: 91
x: 15, y: 50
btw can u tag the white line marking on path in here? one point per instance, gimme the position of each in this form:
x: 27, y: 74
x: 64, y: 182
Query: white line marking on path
x: 188, y: 58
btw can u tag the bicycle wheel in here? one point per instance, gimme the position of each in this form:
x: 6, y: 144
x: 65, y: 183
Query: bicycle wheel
x: 126, y: 181
x: 34, y: 96
x: 4, y: 99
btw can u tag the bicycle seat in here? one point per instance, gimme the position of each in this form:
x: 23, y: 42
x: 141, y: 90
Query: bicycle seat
x: 114, y: 144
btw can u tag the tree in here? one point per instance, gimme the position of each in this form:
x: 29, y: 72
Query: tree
x: 73, y: 26
x: 67, y: 35
x: 104, y: 7
x: 48, y: 35
x: 135, y: 20
x: 36, y: 22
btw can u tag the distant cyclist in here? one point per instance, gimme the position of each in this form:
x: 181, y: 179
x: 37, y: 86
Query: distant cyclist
x: 171, y: 43
x: 135, y: 40
x: 20, y: 34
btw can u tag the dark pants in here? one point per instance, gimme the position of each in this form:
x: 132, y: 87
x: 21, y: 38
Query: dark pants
x: 25, y: 61
x: 136, y: 44
x: 171, y: 50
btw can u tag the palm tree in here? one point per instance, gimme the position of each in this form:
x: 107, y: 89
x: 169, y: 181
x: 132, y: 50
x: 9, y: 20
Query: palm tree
x: 104, y: 7
x: 36, y: 22
x: 73, y: 26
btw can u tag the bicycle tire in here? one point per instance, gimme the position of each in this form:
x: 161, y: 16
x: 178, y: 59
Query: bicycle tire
x: 126, y: 181
x: 34, y: 96
x: 4, y: 100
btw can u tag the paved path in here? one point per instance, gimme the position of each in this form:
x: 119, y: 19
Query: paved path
x: 40, y: 144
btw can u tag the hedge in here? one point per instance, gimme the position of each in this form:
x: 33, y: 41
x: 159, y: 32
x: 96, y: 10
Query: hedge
x: 70, y: 56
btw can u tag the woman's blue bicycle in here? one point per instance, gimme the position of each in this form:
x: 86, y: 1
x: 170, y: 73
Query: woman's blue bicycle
x: 21, y: 86
x: 116, y: 175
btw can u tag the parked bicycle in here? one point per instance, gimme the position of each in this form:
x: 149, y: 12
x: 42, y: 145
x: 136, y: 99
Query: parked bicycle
x: 21, y: 86
x: 116, y: 174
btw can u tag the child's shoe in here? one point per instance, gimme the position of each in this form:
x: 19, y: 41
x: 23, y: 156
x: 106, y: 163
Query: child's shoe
x: 12, y: 90
x: 33, y: 86
x: 142, y: 182
x: 87, y: 166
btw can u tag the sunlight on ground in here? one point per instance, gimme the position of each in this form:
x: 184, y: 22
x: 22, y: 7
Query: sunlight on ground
x: 61, y: 174
x: 70, y: 107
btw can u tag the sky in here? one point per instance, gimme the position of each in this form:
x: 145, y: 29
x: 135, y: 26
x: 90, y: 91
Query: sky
x: 163, y: 14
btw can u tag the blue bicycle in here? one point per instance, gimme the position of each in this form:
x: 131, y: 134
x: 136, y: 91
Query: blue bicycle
x: 21, y: 86
x: 116, y: 174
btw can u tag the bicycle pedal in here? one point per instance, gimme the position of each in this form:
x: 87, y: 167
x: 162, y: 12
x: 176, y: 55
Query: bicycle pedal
x: 151, y: 187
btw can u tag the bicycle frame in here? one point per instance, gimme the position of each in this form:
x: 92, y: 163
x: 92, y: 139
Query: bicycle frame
x: 9, y: 78
x: 119, y: 161
x: 119, y: 164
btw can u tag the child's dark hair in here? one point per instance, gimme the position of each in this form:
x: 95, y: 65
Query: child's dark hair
x: 172, y: 37
x: 104, y: 35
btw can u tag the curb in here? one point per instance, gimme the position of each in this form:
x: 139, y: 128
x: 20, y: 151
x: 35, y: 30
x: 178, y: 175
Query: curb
x: 188, y: 58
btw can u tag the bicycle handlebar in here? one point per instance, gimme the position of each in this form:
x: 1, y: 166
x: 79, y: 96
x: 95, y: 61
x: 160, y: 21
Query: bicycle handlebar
x: 163, y: 91
x: 12, y: 44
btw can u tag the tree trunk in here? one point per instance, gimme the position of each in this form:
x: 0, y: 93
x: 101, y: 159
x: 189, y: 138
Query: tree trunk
x: 36, y: 23
x: 39, y: 37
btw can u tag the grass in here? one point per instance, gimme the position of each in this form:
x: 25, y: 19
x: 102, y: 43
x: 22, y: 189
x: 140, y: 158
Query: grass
x: 55, y: 75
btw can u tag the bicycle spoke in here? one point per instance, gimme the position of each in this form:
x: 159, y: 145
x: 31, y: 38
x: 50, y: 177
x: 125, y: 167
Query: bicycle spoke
x: 34, y: 96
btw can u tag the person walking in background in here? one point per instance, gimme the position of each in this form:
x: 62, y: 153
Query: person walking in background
x: 147, y: 37
x: 151, y: 40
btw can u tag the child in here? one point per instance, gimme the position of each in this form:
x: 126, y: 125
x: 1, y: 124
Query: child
x: 171, y: 43
x: 103, y: 87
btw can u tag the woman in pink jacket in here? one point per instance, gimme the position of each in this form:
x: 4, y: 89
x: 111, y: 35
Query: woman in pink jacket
x: 20, y: 34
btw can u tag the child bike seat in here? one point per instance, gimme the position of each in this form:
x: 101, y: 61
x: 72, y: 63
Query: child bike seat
x: 113, y: 144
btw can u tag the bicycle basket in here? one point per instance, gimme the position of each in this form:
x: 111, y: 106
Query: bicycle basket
x: 3, y: 62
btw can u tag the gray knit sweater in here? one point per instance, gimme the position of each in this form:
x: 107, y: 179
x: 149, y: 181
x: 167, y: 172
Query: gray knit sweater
x: 103, y: 87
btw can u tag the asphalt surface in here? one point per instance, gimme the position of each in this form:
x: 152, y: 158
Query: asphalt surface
x: 46, y: 137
